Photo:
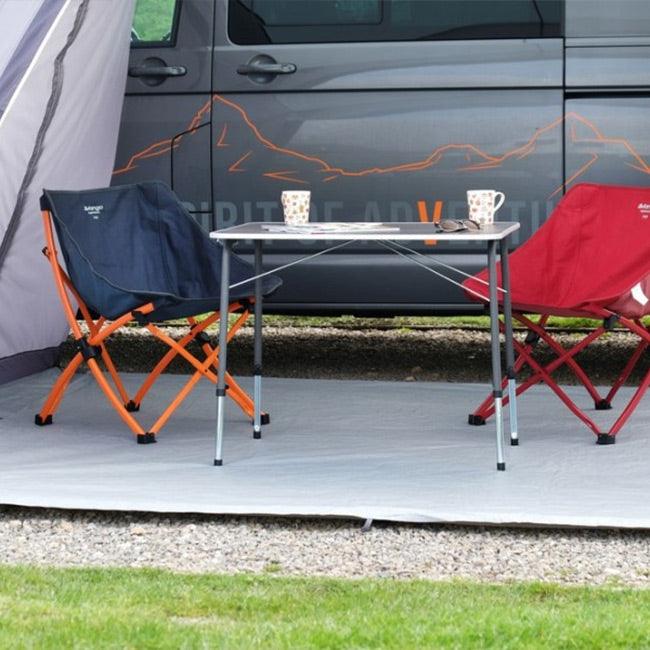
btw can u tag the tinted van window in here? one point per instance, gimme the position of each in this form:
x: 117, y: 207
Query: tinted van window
x: 253, y: 22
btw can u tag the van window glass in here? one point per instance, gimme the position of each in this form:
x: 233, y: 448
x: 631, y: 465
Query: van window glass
x: 253, y: 22
x: 154, y: 22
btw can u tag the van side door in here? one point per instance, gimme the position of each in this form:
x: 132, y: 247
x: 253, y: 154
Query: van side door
x: 387, y: 110
x: 608, y: 92
x: 166, y: 126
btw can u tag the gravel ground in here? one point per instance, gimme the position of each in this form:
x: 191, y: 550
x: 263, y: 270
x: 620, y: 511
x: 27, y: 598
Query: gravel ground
x: 428, y: 354
x: 323, y: 547
x: 336, y: 547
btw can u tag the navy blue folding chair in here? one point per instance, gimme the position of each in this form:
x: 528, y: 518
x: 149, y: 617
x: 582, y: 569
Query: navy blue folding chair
x: 134, y: 253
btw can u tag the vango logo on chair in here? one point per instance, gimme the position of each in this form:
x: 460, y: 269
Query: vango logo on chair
x: 644, y: 210
x: 93, y: 211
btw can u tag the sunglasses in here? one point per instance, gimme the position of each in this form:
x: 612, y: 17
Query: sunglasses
x: 454, y: 225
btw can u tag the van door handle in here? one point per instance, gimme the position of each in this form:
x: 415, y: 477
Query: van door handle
x: 267, y: 68
x: 157, y: 71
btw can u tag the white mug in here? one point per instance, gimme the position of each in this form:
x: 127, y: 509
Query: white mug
x: 295, y: 204
x: 481, y: 205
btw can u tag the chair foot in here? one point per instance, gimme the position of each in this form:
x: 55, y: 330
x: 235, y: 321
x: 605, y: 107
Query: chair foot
x: 602, y: 405
x: 265, y: 418
x: 132, y: 407
x: 475, y: 420
x: 514, y: 442
x: 146, y: 438
x: 218, y: 462
x: 605, y: 439
x: 501, y: 467
x: 257, y: 435
x: 38, y: 420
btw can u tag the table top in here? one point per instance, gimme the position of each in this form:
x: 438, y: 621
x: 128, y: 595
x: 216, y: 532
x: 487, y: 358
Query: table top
x: 403, y: 231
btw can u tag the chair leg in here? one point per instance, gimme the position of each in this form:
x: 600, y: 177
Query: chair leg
x: 565, y: 356
x: 131, y: 422
x: 175, y: 403
x: 153, y: 376
x: 480, y: 414
x: 239, y: 396
x: 169, y: 356
x: 543, y: 374
x: 235, y: 391
x: 112, y: 371
x: 629, y: 409
x: 626, y: 372
x: 52, y: 401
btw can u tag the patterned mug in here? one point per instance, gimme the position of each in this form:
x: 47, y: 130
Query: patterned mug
x: 481, y: 205
x: 295, y: 204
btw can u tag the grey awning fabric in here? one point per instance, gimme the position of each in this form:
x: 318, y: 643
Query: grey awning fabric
x: 62, y: 79
x: 24, y: 25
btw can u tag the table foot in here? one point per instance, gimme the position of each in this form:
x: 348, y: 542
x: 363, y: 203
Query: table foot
x: 514, y: 442
x: 501, y: 467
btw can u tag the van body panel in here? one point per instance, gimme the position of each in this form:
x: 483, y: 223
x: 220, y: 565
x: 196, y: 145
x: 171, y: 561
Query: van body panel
x: 389, y: 131
x: 398, y: 65
x: 374, y: 155
x: 604, y: 67
x: 607, y: 18
x: 166, y: 122
x: 378, y: 156
x: 373, y: 282
x: 606, y: 148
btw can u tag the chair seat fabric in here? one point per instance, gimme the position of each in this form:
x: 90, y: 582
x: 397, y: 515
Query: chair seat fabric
x: 128, y: 245
x: 593, y: 252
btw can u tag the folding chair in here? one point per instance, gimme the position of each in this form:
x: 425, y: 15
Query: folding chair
x: 134, y: 254
x: 591, y: 259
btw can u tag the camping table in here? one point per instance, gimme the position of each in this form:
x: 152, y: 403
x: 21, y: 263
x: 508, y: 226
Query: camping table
x: 494, y: 235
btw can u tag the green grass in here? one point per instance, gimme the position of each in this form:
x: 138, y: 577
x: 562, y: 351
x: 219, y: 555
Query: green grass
x: 153, y: 19
x: 93, y: 608
x: 401, y: 322
x: 410, y: 322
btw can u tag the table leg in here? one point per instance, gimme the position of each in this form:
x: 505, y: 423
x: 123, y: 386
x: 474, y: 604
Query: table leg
x: 510, y: 352
x: 496, y: 352
x: 257, y: 350
x: 223, y: 345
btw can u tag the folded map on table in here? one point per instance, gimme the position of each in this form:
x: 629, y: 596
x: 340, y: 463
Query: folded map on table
x: 331, y: 227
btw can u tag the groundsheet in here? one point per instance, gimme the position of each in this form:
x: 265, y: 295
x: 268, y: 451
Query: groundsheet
x: 398, y: 451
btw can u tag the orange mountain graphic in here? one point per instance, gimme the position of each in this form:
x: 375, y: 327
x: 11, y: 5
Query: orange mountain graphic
x: 298, y: 167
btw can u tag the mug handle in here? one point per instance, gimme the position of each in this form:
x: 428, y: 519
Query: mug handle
x: 503, y: 198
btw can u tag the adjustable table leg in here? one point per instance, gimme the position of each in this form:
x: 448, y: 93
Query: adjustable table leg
x: 257, y: 361
x: 223, y: 349
x: 510, y: 352
x: 496, y: 352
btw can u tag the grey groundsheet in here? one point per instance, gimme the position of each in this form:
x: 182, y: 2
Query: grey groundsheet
x: 399, y: 451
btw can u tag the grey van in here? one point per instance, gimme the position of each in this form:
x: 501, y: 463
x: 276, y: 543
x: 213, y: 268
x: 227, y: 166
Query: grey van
x: 387, y: 110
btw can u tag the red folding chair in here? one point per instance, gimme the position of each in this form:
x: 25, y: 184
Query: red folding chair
x: 591, y: 259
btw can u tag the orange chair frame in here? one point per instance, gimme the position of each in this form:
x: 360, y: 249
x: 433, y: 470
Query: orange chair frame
x: 92, y: 347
